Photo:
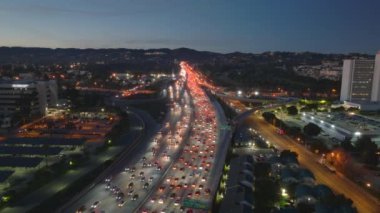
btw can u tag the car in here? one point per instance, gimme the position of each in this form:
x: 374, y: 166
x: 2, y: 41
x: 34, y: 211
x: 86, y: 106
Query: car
x: 141, y: 174
x: 116, y: 191
x: 197, y: 193
x: 81, y: 209
x: 150, y: 179
x: 130, y: 193
x: 161, y: 189
x: 200, y: 186
x: 133, y: 169
x: 160, y: 201
x: 142, y: 179
x: 108, y: 186
x: 189, y: 195
x: 172, y: 196
x: 153, y: 200
x: 120, y: 196
x: 95, y: 204
x: 146, y: 185
x: 121, y: 203
x: 177, y: 202
x: 108, y: 179
x: 135, y: 197
x: 207, y: 191
x: 127, y: 169
x: 130, y: 185
x: 132, y: 176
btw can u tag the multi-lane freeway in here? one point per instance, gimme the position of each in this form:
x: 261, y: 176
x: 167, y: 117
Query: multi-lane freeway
x: 176, y: 167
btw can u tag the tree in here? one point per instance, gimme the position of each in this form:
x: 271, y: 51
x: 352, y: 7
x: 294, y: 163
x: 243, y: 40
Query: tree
x: 269, y: 117
x: 367, y: 149
x: 267, y: 194
x: 292, y: 110
x: 293, y: 131
x: 262, y: 170
x: 311, y: 129
x: 347, y: 145
x: 338, y: 109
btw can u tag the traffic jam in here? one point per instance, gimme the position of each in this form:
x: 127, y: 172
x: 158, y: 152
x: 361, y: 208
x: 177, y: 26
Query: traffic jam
x: 190, y: 176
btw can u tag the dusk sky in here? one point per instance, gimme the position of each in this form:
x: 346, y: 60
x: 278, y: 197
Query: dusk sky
x: 337, y: 26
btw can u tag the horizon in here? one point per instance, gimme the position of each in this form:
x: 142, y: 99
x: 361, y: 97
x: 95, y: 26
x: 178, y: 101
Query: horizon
x: 171, y: 49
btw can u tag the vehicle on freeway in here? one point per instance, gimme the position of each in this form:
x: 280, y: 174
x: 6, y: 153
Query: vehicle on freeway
x: 107, y: 180
x: 81, y: 209
x: 146, y: 185
x: 95, y: 204
x: 121, y: 203
x: 135, y: 197
x: 130, y: 185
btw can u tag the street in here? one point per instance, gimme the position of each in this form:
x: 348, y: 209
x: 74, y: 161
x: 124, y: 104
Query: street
x: 363, y: 201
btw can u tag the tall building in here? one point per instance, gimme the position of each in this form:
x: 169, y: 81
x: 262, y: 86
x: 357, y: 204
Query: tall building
x: 27, y: 97
x: 361, y: 80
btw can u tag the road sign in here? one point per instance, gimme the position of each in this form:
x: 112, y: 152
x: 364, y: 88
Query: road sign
x: 195, y: 204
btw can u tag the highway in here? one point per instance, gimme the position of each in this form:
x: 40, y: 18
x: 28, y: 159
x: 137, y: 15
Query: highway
x: 193, y: 176
x: 144, y: 167
x: 181, y: 162
x: 363, y: 201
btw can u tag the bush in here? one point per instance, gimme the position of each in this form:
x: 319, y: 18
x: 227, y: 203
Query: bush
x: 292, y: 110
x: 312, y: 129
x: 269, y: 117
